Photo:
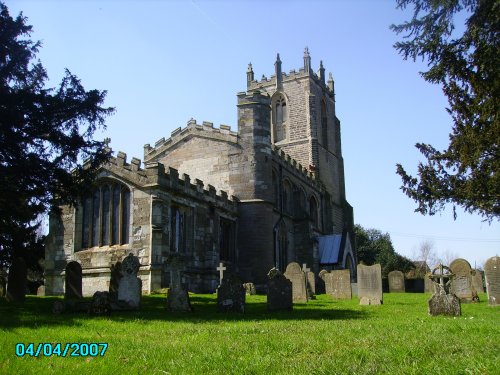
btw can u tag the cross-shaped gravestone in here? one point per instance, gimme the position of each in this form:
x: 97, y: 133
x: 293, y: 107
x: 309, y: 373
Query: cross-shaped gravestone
x: 221, y: 270
x: 440, y: 273
x: 304, y: 268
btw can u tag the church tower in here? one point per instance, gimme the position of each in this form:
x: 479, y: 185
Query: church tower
x: 305, y: 126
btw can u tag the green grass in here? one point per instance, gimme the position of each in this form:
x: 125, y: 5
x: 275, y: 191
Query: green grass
x: 321, y: 337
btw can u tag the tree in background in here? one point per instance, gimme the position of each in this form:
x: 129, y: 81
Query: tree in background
x: 373, y: 246
x: 425, y: 259
x: 467, y: 67
x: 44, y: 134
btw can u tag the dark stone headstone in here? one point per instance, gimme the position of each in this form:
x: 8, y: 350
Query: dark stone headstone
x: 461, y: 284
x: 16, y: 282
x: 311, y: 282
x: 295, y: 274
x: 396, y: 282
x: 341, y: 284
x: 477, y: 281
x: 114, y: 281
x: 492, y: 277
x: 73, y: 281
x: 3, y: 287
x: 320, y: 283
x: 370, y: 284
x: 100, y: 304
x: 231, y: 294
x: 279, y: 292
x: 129, y: 290
x: 177, y: 296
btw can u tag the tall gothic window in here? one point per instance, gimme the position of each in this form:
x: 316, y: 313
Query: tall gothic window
x: 106, y: 216
x: 324, y: 125
x: 226, y: 240
x: 287, y: 197
x: 313, y: 211
x: 280, y: 116
x: 177, y: 229
x: 280, y: 247
x: 276, y: 189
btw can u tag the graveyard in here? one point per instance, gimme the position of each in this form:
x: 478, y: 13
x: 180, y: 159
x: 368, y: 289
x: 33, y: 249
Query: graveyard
x: 322, y: 336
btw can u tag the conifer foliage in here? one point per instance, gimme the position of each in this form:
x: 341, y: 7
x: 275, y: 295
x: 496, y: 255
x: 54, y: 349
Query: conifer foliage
x: 44, y: 134
x: 467, y: 66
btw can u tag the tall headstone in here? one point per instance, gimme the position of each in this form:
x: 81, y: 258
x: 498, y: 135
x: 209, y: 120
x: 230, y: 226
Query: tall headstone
x: 130, y: 288
x: 370, y: 284
x: 250, y: 289
x: 177, y: 296
x: 231, y: 294
x: 40, y: 291
x: 320, y: 284
x: 461, y: 284
x: 299, y: 288
x: 428, y: 285
x: 492, y: 277
x: 16, y: 281
x: 310, y: 281
x: 73, y: 281
x: 443, y: 302
x: 340, y: 284
x: 396, y: 282
x: 3, y: 287
x: 477, y: 281
x: 114, y: 281
x: 279, y: 292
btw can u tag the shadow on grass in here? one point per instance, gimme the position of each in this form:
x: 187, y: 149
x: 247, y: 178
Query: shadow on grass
x: 37, y: 311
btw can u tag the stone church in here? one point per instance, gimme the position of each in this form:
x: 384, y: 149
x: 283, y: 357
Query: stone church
x: 269, y: 193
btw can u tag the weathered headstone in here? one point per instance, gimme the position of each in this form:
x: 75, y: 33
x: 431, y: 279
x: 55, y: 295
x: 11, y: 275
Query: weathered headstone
x: 231, y: 294
x: 340, y: 284
x: 100, y: 304
x: 279, y: 292
x: 16, y: 281
x: 114, y: 281
x: 492, y: 277
x: 129, y: 290
x: 250, y: 289
x: 370, y: 284
x: 320, y: 284
x: 73, y: 281
x: 177, y: 296
x: 477, y: 281
x: 443, y: 302
x: 299, y: 288
x: 396, y: 282
x: 461, y: 284
x: 310, y: 281
x: 428, y: 285
x: 3, y: 287
x: 40, y: 291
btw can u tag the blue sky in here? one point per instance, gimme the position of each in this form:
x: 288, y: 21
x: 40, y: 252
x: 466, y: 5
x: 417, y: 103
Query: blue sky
x: 164, y: 62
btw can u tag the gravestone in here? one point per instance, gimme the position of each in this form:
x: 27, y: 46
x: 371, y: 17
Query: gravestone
x: 310, y: 282
x: 177, y: 296
x: 370, y: 284
x: 129, y: 290
x: 396, y: 282
x: 443, y: 302
x: 16, y: 281
x: 477, y: 281
x: 114, y: 281
x: 250, y: 289
x: 492, y: 277
x: 73, y: 281
x: 279, y: 292
x: 41, y: 290
x: 461, y: 284
x: 428, y: 285
x: 299, y: 288
x: 100, y: 304
x: 231, y: 294
x: 341, y: 284
x: 3, y: 287
x: 320, y: 283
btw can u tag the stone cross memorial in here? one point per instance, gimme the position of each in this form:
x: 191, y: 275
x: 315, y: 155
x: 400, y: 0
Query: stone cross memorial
x: 73, y: 281
x: 221, y: 270
x: 178, y: 296
x: 130, y: 288
x: 443, y: 302
x: 396, y: 282
x: 299, y: 287
x: 16, y: 281
x: 231, y: 294
x: 340, y: 284
x: 279, y: 292
x: 461, y: 284
x: 492, y: 277
x: 370, y: 284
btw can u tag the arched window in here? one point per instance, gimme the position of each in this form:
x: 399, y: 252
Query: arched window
x: 287, y: 197
x: 324, y: 125
x: 299, y: 198
x: 280, y: 247
x: 276, y: 189
x: 313, y: 211
x: 279, y: 117
x: 106, y: 216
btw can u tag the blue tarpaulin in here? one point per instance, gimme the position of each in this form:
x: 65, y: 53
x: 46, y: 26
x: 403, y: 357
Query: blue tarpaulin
x: 329, y: 248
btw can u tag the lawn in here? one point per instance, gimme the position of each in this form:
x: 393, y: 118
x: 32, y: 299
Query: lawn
x: 321, y: 337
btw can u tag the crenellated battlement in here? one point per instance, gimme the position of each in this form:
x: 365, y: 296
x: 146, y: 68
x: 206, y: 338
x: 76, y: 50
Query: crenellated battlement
x: 206, y: 130
x: 287, y: 161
